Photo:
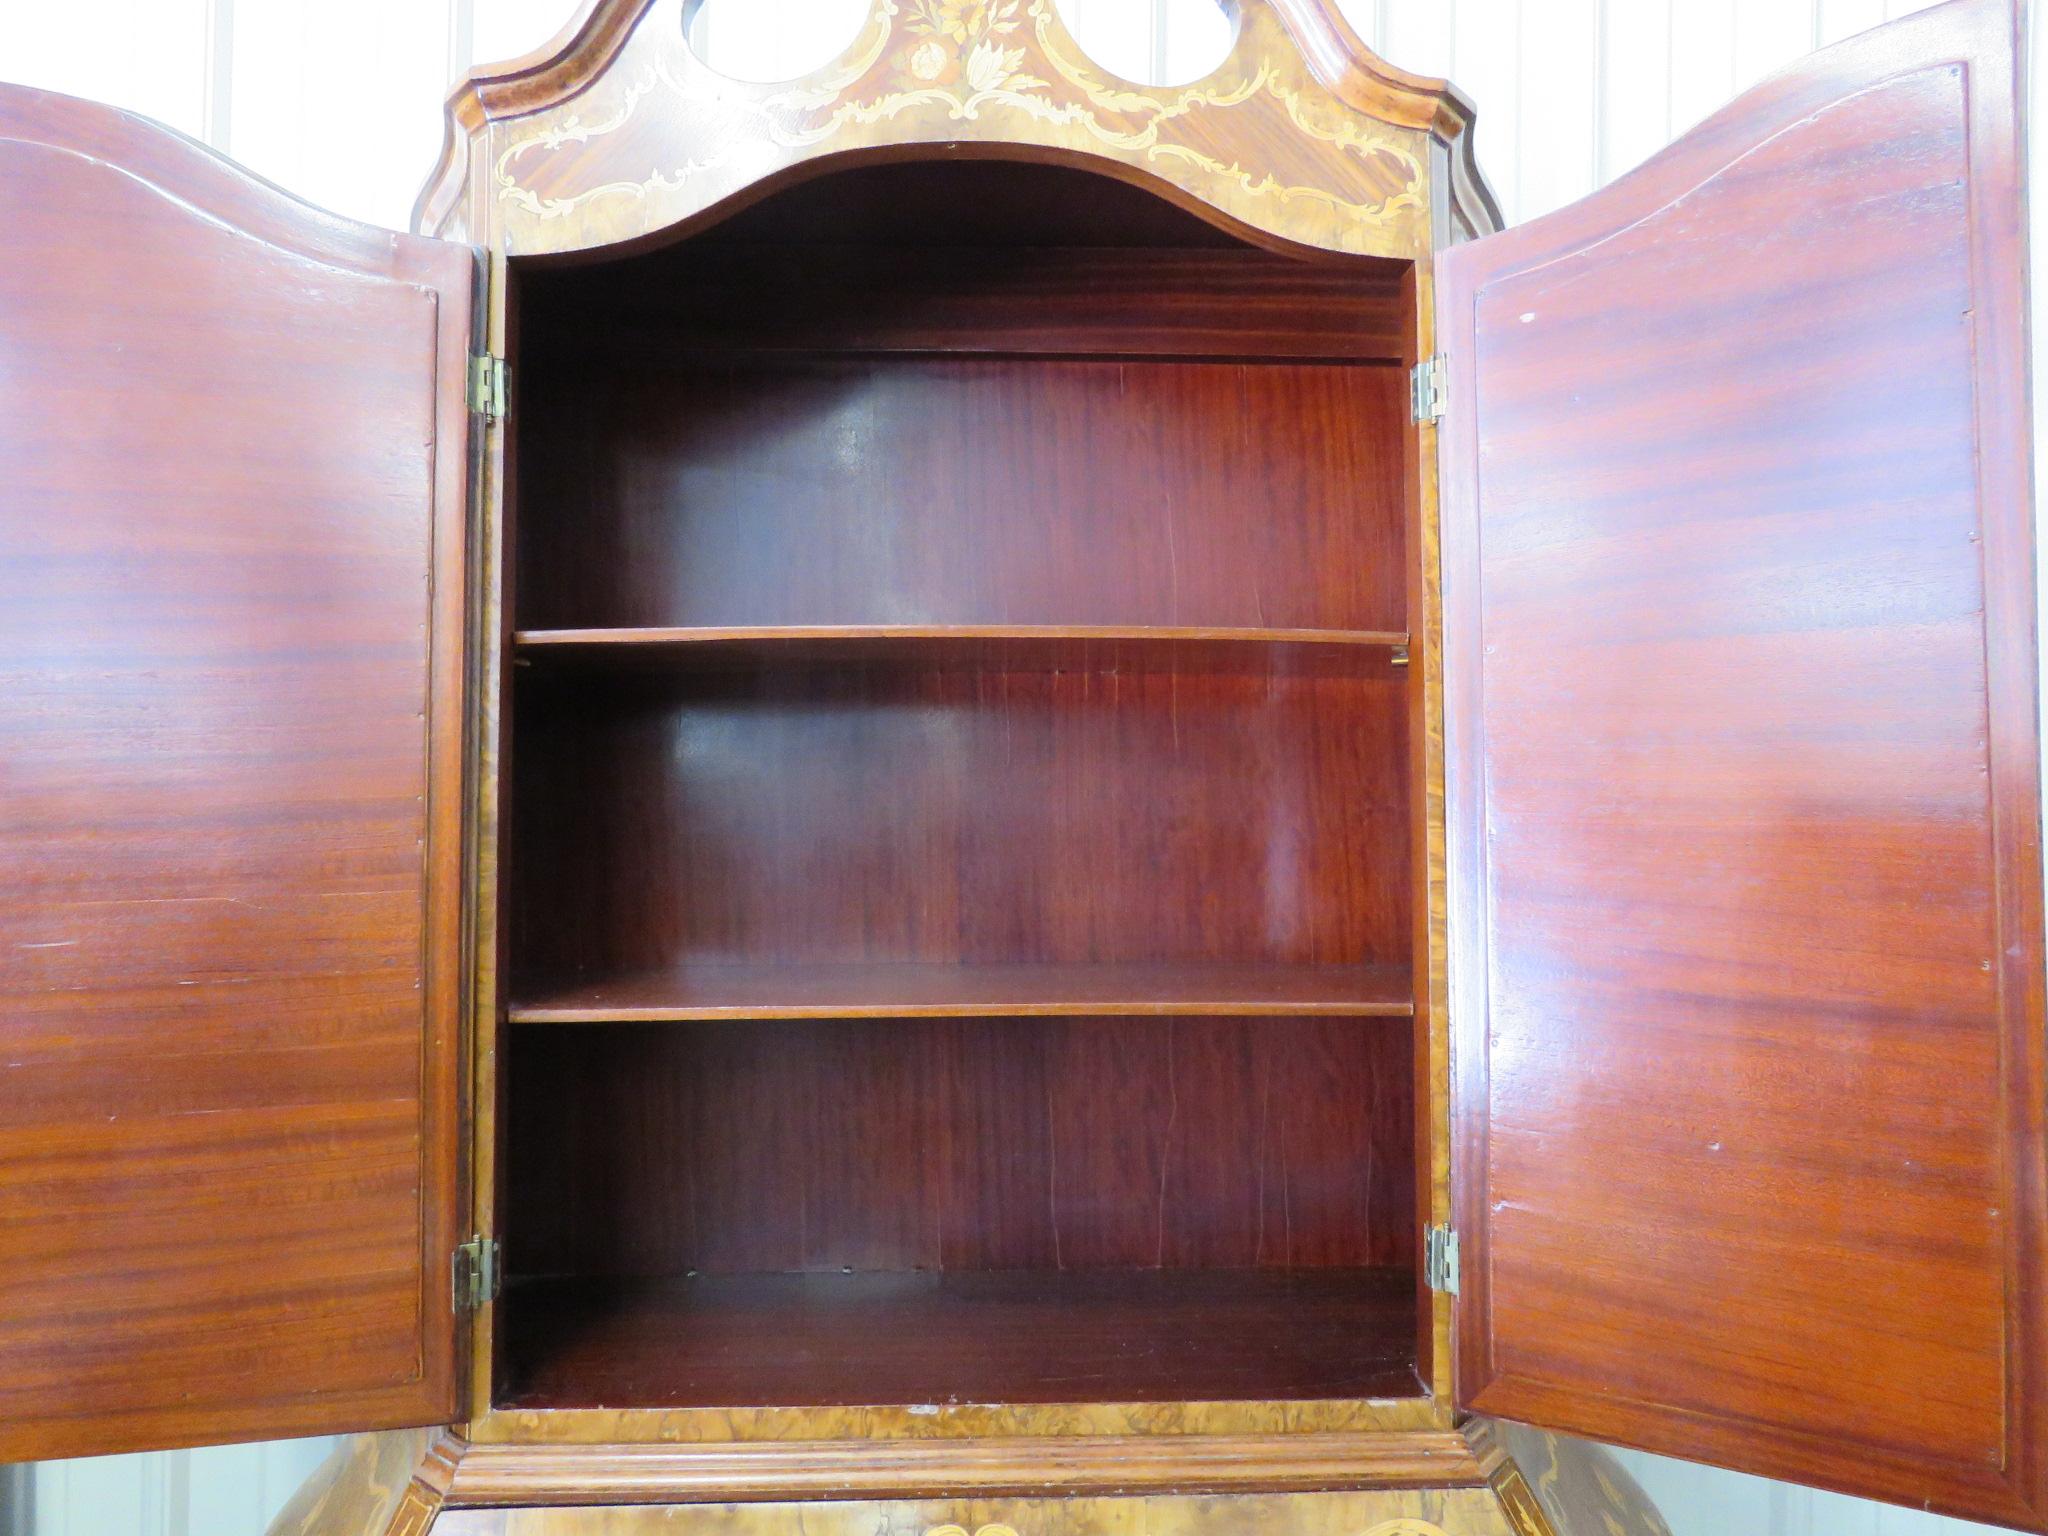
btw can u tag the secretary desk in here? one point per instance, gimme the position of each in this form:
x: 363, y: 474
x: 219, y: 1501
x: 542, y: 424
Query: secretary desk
x: 959, y: 799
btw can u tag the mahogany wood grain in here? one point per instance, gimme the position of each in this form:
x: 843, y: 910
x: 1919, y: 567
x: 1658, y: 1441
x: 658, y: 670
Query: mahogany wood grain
x: 817, y: 815
x: 1017, y: 1336
x: 960, y: 1145
x: 783, y: 991
x: 234, y: 447
x: 1746, y: 902
x: 945, y: 489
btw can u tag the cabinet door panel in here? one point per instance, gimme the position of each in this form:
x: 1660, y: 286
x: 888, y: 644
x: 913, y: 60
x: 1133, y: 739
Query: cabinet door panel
x: 1744, y: 802
x: 232, y: 475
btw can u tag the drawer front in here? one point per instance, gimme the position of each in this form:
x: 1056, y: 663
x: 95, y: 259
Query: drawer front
x: 1428, y: 1512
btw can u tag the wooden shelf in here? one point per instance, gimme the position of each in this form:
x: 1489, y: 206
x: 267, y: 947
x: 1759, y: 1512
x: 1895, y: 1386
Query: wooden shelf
x: 1039, y: 647
x: 963, y: 991
x: 1016, y: 1336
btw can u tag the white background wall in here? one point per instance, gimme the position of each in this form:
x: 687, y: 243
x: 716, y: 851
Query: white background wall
x: 1571, y: 93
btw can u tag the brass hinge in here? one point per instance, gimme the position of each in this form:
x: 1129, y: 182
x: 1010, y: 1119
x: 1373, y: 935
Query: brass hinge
x: 474, y: 1271
x: 487, y: 385
x: 1399, y: 656
x: 1426, y: 387
x: 1440, y: 1259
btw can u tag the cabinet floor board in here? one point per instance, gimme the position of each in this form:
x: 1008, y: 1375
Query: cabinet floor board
x: 990, y: 1336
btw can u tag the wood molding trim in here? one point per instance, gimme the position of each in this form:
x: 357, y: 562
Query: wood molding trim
x: 651, y: 1474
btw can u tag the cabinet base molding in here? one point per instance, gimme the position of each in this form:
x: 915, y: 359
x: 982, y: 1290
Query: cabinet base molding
x: 1483, y: 1480
x: 827, y: 1469
x: 1381, y: 1512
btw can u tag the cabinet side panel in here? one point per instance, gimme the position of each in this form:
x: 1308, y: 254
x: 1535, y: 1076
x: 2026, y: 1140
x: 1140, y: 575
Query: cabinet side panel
x: 1744, y: 792
x: 229, y: 718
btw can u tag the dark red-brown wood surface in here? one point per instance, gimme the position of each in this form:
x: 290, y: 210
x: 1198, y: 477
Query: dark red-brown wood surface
x: 942, y: 394
x: 892, y: 989
x: 961, y: 1144
x: 232, y: 463
x: 1269, y: 653
x: 918, y: 1210
x: 1025, y: 300
x: 1008, y: 874
x: 754, y: 489
x: 921, y: 814
x: 1006, y: 1336
x: 1744, y: 792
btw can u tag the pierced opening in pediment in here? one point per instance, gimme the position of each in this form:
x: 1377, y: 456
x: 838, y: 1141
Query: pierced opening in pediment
x: 745, y: 40
x: 1153, y: 42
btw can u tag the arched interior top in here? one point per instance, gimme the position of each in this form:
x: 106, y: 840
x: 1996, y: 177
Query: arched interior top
x: 1000, y: 253
x: 993, y: 196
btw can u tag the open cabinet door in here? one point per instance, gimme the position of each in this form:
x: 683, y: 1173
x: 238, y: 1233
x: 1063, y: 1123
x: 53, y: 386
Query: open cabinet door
x: 1745, y: 871
x: 232, y: 489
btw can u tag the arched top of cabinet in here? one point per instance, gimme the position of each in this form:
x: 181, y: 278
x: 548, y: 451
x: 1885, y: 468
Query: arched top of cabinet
x: 617, y: 133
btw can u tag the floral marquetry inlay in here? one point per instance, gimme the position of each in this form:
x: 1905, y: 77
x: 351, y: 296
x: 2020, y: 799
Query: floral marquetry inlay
x: 655, y: 137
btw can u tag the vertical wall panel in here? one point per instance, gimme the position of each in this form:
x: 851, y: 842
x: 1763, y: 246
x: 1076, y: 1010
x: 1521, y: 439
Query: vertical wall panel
x: 1702, y: 59
x: 112, y: 1496
x: 1415, y: 34
x: 226, y: 1488
x: 149, y: 56
x: 341, y: 103
x: 505, y: 29
x: 1486, y: 62
x: 1124, y: 39
x: 752, y: 41
x: 1635, y: 85
x: 1844, y: 18
x: 1557, y: 132
x: 1705, y: 1501
x: 1769, y: 34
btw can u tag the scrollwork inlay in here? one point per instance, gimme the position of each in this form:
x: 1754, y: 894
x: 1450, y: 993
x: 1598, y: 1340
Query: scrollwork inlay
x: 926, y: 64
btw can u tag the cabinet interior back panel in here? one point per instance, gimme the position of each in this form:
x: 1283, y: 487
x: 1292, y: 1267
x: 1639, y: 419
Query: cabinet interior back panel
x: 962, y: 1144
x: 937, y: 815
x: 930, y: 489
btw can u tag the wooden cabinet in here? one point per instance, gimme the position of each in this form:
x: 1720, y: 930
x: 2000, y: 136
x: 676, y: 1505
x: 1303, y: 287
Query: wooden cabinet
x: 962, y: 798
